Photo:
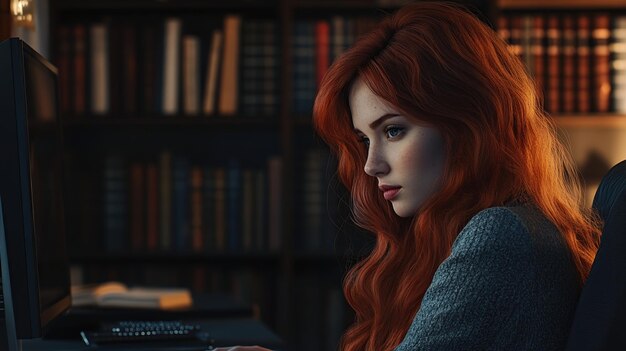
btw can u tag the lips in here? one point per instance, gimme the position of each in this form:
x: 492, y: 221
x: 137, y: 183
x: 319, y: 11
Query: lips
x: 389, y: 191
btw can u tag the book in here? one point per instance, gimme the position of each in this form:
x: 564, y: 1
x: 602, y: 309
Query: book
x: 322, y: 49
x: 80, y: 69
x: 583, y: 71
x: 152, y: 210
x: 64, y: 63
x: 601, y: 86
x: 230, y: 65
x: 568, y: 65
x: 191, y: 74
x: 171, y: 68
x: 115, y: 203
x: 196, y: 209
x: 99, y: 69
x: 116, y: 294
x: 208, y: 106
x: 618, y: 63
x: 303, y: 67
x: 165, y: 199
x: 137, y: 206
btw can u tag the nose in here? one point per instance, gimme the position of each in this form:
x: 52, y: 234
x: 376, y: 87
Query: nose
x: 375, y: 165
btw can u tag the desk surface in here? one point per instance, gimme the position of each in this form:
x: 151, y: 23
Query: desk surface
x: 226, y: 332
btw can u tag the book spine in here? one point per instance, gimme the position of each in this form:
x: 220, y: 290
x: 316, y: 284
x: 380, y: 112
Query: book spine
x: 220, y: 208
x: 230, y: 66
x: 137, y: 206
x: 99, y: 69
x: 251, y: 67
x: 165, y: 165
x: 261, y: 210
x: 130, y: 69
x: 191, y: 74
x: 180, y: 204
x: 275, y: 169
x: 247, y: 215
x: 234, y: 206
x: 583, y: 65
x: 619, y: 64
x: 270, y: 69
x: 209, y: 208
x: 152, y: 201
x: 148, y: 70
x: 197, y: 210
x: 171, y: 65
x: 568, y: 65
x: 322, y: 46
x: 601, y: 63
x: 115, y: 204
x: 80, y: 69
x: 304, y: 63
x: 212, y: 73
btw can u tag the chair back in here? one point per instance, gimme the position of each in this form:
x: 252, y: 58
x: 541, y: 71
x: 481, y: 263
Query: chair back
x: 600, y: 319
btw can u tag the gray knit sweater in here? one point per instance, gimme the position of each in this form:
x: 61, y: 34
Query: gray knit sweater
x: 508, y: 284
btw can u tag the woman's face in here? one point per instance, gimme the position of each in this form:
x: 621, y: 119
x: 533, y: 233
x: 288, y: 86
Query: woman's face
x: 406, y: 158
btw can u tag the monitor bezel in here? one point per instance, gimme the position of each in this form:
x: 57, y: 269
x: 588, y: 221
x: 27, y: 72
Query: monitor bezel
x: 22, y: 251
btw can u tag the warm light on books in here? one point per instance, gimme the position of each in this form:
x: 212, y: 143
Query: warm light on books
x: 23, y: 13
x: 116, y: 294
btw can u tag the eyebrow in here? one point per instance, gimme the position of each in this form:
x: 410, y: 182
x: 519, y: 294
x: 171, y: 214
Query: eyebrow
x: 379, y: 121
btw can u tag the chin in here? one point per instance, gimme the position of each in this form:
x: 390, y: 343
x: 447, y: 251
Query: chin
x: 404, y: 212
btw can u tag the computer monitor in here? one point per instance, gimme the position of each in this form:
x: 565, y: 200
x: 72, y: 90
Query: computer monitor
x: 34, y: 263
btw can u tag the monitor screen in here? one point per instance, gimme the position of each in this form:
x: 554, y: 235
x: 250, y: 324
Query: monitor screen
x: 31, y: 189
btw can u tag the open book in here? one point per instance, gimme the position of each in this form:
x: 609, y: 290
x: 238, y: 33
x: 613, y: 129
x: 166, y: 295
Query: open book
x: 116, y: 294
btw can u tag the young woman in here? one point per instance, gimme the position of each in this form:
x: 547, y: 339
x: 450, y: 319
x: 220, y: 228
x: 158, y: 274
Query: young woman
x: 482, y: 242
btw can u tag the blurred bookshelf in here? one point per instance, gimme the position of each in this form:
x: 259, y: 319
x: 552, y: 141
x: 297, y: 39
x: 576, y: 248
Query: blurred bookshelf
x: 576, y: 52
x: 190, y: 153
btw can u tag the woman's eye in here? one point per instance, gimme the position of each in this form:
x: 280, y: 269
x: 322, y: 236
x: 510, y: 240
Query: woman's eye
x: 365, y: 141
x: 393, y: 132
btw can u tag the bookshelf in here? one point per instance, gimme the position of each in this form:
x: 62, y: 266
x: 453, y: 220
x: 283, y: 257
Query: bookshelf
x: 576, y: 46
x: 263, y: 158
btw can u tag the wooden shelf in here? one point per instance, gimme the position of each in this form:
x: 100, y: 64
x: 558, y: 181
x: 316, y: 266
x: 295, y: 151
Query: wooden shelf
x: 176, y: 258
x: 174, y: 121
x: 116, y: 5
x: 560, y: 4
x: 346, y: 5
x: 610, y: 121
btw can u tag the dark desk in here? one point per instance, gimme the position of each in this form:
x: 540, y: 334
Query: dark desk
x: 225, y: 331
x: 228, y: 321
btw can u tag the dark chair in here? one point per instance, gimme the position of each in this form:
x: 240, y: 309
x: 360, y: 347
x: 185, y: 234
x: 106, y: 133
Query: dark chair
x: 600, y: 319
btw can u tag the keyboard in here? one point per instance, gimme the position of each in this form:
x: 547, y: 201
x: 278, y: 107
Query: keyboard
x: 147, y: 332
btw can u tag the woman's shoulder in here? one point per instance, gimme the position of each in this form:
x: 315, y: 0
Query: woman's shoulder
x: 506, y: 227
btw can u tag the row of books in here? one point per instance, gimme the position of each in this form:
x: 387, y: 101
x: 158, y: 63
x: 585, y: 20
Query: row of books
x: 177, y: 206
x: 168, y: 66
x: 191, y: 66
x: 318, y: 42
x: 578, y: 60
x: 316, y: 231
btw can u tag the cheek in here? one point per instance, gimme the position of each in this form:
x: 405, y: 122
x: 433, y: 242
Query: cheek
x: 424, y: 158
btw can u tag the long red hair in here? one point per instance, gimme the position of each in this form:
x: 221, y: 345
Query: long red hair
x: 439, y: 64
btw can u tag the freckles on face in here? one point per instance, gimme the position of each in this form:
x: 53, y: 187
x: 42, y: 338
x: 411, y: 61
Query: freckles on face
x: 402, y: 152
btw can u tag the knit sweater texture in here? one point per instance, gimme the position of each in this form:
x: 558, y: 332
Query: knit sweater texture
x: 508, y: 284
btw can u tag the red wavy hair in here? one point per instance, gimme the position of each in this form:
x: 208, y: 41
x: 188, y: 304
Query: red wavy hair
x: 438, y: 63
